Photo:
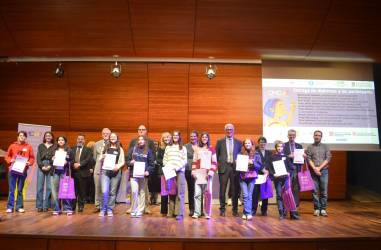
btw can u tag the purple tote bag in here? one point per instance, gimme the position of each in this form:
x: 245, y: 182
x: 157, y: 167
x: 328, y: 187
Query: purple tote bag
x: 267, y: 189
x: 305, y: 180
x: 288, y: 199
x: 66, y: 188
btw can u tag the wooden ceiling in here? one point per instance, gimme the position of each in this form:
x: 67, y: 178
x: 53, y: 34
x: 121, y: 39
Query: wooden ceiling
x: 236, y: 29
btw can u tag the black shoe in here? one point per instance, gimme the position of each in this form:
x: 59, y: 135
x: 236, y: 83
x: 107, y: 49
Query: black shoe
x: 235, y: 214
x: 294, y: 216
x: 39, y: 210
x: 45, y: 209
x: 222, y: 213
x: 80, y: 209
x: 264, y: 213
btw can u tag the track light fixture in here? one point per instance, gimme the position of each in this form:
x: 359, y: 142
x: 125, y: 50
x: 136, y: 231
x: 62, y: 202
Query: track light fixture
x: 59, y: 72
x: 211, y: 71
x: 116, y: 69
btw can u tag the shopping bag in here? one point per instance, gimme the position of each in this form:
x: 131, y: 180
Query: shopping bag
x: 266, y: 189
x: 288, y: 199
x: 66, y: 188
x: 305, y: 180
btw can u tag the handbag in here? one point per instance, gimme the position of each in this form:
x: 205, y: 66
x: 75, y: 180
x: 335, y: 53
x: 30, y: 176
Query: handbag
x: 168, y: 187
x: 266, y: 189
x: 66, y: 188
x: 288, y: 199
x: 305, y: 180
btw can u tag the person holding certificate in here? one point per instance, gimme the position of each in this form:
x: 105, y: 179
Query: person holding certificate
x: 279, y: 169
x: 165, y: 186
x: 265, y: 157
x: 140, y: 162
x: 204, y: 166
x: 44, y: 155
x: 20, y: 156
x: 61, y: 166
x: 248, y: 164
x: 175, y: 159
x: 112, y: 160
x: 295, y: 152
x: 97, y: 156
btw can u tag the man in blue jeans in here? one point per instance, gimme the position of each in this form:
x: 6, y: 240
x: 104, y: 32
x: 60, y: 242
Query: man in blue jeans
x: 319, y: 156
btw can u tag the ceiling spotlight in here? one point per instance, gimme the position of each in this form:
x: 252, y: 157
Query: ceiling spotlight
x: 211, y: 71
x: 116, y: 69
x: 59, y: 72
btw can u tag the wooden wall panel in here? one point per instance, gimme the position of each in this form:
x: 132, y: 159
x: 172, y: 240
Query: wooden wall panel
x: 32, y: 94
x: 99, y: 100
x: 168, y: 97
x: 163, y: 28
x: 233, y: 96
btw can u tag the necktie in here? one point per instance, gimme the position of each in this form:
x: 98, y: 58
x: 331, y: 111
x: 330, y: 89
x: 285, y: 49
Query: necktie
x: 230, y: 158
x: 77, y: 154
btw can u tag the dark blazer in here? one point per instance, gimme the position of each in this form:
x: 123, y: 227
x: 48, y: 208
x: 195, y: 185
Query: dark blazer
x: 86, y: 161
x: 190, y: 153
x: 222, y: 155
x: 278, y: 157
x: 265, y: 159
x: 287, y: 151
x: 151, y: 146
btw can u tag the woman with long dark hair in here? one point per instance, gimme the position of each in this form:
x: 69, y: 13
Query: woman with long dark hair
x: 58, y: 172
x: 175, y: 157
x: 44, y: 154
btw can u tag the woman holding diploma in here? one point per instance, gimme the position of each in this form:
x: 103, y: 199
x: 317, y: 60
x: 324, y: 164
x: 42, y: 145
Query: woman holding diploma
x: 112, y: 162
x: 175, y: 158
x: 140, y: 162
x: 280, y: 168
x: 203, y: 168
x: 61, y: 165
x: 44, y: 155
x: 165, y: 186
x: 247, y: 178
x: 20, y: 156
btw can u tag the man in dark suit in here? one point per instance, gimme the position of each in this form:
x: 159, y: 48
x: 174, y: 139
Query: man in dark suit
x: 81, y: 173
x: 227, y: 150
x: 265, y: 158
x: 288, y: 150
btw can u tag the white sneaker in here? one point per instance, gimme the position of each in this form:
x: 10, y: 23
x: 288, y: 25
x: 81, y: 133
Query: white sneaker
x: 9, y: 210
x: 138, y: 215
x: 69, y: 213
x: 316, y: 213
x: 109, y: 213
x: 132, y: 214
x: 195, y: 216
x: 323, y: 213
x: 249, y: 217
x: 56, y: 213
x: 208, y: 217
x: 239, y: 202
x: 244, y: 217
x: 21, y: 210
x: 229, y: 202
x: 101, y: 214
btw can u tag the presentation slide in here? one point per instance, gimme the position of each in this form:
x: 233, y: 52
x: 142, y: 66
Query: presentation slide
x: 345, y: 111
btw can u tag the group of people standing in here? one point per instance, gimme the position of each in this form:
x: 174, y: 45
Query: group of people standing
x: 168, y: 167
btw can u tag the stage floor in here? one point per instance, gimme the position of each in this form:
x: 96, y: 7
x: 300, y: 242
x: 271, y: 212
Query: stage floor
x: 346, y: 220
